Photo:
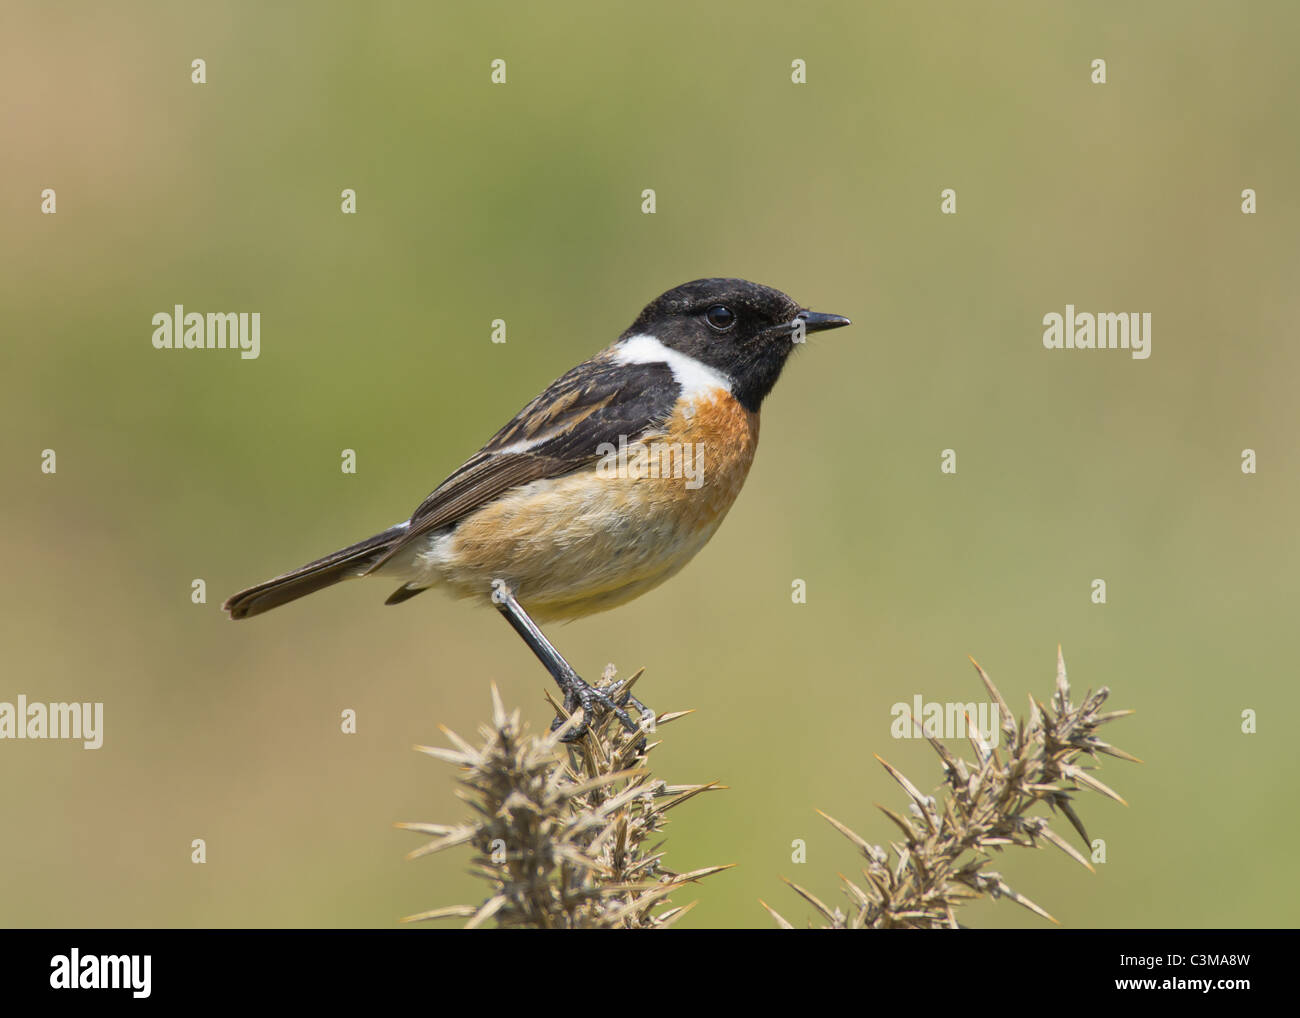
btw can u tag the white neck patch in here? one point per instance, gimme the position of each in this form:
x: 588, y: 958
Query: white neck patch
x: 695, y: 377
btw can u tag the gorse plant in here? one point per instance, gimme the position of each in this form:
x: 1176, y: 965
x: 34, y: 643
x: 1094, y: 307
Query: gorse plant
x: 565, y: 833
x: 941, y: 860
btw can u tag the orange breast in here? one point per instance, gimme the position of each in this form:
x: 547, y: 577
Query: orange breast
x: 598, y: 537
x: 726, y: 434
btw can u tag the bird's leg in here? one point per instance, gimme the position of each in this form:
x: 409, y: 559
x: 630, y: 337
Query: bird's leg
x: 577, y: 691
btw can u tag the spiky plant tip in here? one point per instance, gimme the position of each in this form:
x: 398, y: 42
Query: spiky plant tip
x: 563, y: 832
x: 946, y: 843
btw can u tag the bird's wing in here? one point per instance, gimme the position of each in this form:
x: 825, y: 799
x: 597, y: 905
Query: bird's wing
x: 559, y: 431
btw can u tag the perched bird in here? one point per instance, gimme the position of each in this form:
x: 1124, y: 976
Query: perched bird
x: 599, y: 489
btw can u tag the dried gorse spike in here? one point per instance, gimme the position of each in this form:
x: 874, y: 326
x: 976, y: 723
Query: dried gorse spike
x: 940, y: 861
x: 562, y: 831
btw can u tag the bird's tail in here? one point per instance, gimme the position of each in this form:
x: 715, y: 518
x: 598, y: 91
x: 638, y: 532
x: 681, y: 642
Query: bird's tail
x: 342, y: 565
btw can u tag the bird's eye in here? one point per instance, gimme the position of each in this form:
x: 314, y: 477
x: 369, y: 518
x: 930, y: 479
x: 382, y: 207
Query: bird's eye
x: 720, y: 318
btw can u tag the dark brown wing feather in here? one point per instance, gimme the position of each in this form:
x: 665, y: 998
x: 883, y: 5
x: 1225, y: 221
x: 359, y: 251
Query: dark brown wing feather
x: 594, y: 403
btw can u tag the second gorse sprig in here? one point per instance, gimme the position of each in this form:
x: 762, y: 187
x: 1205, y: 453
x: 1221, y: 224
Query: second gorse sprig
x: 942, y: 858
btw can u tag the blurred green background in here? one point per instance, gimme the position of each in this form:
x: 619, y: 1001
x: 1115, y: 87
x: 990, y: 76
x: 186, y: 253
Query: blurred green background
x: 522, y: 202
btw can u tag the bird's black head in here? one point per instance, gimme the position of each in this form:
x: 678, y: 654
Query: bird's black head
x: 742, y: 330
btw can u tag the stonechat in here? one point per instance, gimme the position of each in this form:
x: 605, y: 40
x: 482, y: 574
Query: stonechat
x: 599, y: 489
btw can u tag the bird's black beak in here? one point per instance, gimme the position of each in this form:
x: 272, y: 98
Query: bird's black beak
x: 815, y: 321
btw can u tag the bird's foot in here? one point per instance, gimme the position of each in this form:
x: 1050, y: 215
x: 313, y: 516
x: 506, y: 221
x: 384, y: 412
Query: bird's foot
x: 615, y: 697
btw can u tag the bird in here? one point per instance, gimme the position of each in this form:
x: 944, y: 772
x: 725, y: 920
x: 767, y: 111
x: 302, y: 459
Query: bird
x: 601, y: 488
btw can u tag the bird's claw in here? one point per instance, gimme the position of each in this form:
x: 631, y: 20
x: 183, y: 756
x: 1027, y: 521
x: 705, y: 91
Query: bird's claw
x: 581, y: 693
